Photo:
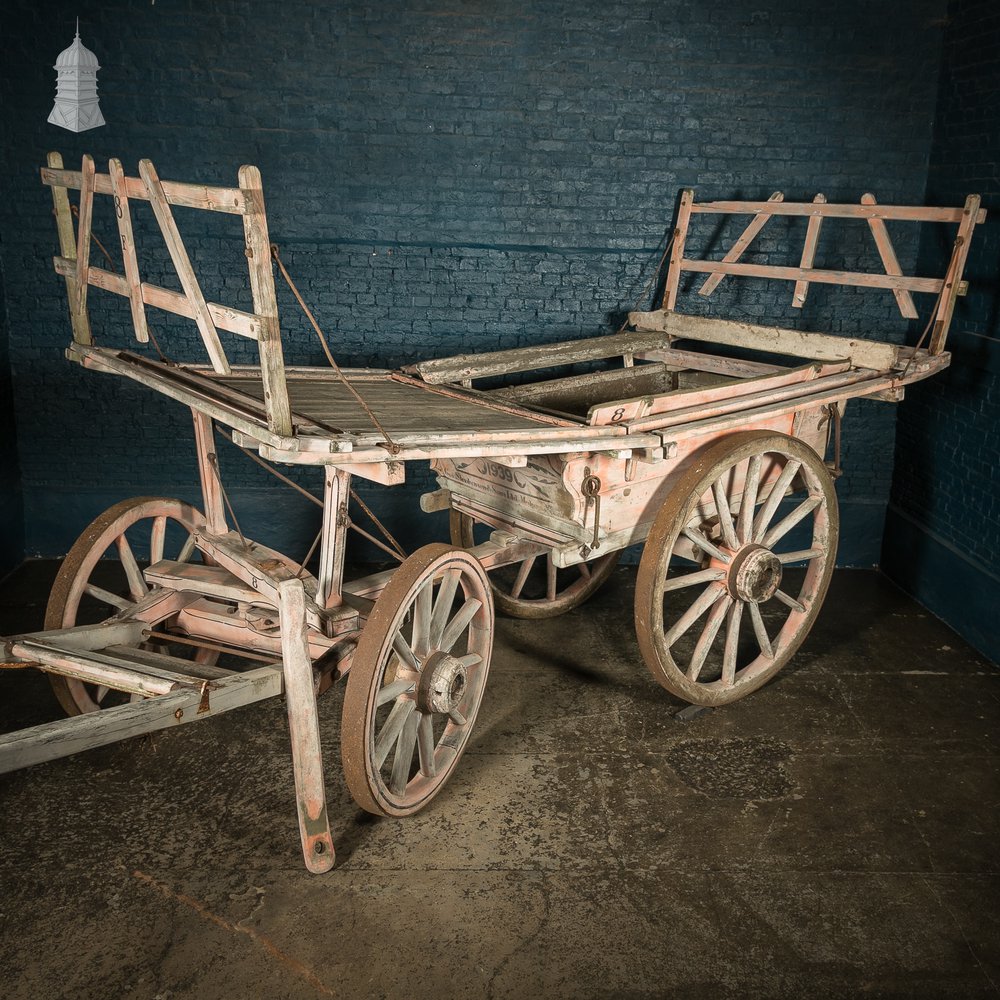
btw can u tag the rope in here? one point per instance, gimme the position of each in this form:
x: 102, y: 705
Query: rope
x: 389, y: 443
x: 649, y: 284
x: 94, y: 239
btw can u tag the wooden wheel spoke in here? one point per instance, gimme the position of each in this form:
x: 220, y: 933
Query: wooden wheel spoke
x: 725, y: 515
x: 392, y: 691
x: 459, y: 623
x: 760, y: 631
x: 157, y: 537
x: 100, y: 594
x: 469, y: 660
x: 550, y: 577
x: 789, y: 601
x: 136, y: 584
x: 744, y: 524
x: 774, y: 498
x: 788, y: 522
x: 102, y: 693
x: 402, y: 649
x: 522, y: 576
x: 422, y: 605
x: 456, y: 717
x: 698, y: 539
x: 389, y: 733
x: 425, y: 745
x: 584, y: 570
x: 712, y: 625
x: 693, y: 579
x: 403, y: 759
x: 732, y: 645
x: 703, y: 602
x: 187, y: 550
x: 802, y: 555
x: 442, y: 606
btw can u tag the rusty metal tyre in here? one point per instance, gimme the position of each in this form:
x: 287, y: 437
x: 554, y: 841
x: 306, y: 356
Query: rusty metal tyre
x: 735, y: 564
x: 417, y: 681
x: 73, y: 581
x: 564, y: 589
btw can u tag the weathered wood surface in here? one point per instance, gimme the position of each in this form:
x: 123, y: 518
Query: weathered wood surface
x: 99, y: 668
x: 83, y: 231
x: 577, y: 393
x: 913, y: 213
x: 889, y: 260
x: 823, y: 277
x: 225, y: 317
x: 738, y: 248
x: 972, y: 214
x: 303, y: 724
x: 265, y: 303
x: 67, y: 246
x: 728, y: 395
x: 523, y: 359
x: 182, y: 264
x: 677, y: 248
x: 65, y: 737
x: 209, y: 197
x: 809, y: 253
x: 775, y: 340
x: 134, y: 284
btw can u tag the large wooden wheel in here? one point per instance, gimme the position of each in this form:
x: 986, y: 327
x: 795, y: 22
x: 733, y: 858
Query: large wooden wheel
x: 90, y: 587
x: 718, y: 611
x: 536, y: 587
x: 417, y: 680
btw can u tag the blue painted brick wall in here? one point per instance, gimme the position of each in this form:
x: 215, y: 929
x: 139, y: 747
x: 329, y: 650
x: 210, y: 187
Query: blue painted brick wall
x: 944, y: 538
x: 448, y: 176
x: 11, y: 512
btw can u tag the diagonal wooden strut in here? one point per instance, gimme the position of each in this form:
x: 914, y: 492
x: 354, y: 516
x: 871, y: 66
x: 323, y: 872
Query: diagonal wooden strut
x: 182, y: 263
x: 889, y: 260
x: 808, y: 253
x: 83, y: 231
x: 748, y: 235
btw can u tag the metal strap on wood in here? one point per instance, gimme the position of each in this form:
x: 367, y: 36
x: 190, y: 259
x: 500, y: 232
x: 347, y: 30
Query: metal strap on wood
x: 902, y: 286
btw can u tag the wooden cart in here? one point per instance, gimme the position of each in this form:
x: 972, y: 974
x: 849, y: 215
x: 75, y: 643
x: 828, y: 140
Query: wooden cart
x: 711, y: 457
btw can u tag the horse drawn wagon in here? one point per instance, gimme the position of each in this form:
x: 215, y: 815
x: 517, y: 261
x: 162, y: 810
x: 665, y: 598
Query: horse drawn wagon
x: 673, y: 433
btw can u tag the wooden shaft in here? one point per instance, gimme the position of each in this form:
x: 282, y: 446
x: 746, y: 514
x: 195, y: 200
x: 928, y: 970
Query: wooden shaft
x: 83, y: 231
x: 265, y: 302
x: 821, y: 276
x: 909, y: 213
x: 303, y: 724
x: 124, y: 216
x: 971, y: 214
x: 808, y: 254
x: 208, y: 472
x: 677, y: 250
x: 67, y: 245
x: 214, y: 199
x: 336, y: 489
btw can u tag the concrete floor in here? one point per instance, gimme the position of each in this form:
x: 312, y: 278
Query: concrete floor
x: 833, y: 835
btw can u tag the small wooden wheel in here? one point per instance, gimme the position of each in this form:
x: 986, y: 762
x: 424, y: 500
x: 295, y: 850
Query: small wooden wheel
x: 719, y: 548
x: 90, y: 588
x: 537, y: 588
x: 417, y: 680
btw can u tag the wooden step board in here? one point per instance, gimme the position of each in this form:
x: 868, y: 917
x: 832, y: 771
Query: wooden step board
x: 135, y: 675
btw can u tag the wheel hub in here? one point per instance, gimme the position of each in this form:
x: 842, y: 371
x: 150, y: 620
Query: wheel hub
x: 754, y: 574
x: 443, y: 680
